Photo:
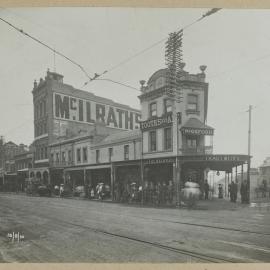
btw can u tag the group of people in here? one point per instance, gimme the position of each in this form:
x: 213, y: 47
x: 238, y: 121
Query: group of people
x: 157, y: 193
x: 233, y: 191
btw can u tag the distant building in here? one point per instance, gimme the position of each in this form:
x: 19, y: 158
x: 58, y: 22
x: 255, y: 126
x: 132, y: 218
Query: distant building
x: 8, y: 170
x: 265, y: 171
x: 23, y: 165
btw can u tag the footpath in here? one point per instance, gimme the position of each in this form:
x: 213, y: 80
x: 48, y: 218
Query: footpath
x: 213, y: 203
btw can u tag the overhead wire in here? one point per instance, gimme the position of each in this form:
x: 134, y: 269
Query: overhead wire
x: 210, y: 12
x: 48, y: 47
x: 120, y: 83
x: 96, y: 75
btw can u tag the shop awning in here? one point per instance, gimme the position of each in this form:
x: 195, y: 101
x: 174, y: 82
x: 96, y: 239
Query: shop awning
x: 195, y: 127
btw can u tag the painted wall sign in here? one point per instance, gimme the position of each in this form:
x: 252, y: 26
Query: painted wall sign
x: 87, y: 111
x: 197, y: 131
x: 158, y: 161
x: 157, y: 122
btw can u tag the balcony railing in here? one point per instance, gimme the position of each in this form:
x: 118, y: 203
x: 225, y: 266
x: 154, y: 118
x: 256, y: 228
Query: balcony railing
x: 200, y: 150
x: 61, y: 163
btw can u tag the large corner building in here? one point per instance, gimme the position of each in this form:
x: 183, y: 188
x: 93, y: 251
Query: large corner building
x: 85, y: 139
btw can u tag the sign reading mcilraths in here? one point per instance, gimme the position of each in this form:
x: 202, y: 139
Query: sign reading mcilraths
x: 87, y: 111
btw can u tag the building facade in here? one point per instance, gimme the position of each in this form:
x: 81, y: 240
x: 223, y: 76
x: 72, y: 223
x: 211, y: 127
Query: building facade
x: 174, y: 124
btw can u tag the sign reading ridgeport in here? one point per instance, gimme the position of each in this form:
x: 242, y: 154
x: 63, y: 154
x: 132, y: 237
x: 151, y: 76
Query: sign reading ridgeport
x: 88, y: 111
x: 197, y: 131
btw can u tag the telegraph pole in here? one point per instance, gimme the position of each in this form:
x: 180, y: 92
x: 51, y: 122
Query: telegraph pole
x: 175, y: 65
x: 249, y: 151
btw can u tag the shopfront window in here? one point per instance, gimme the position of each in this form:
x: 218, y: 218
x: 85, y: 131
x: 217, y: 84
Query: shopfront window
x: 153, y: 109
x: 168, y: 138
x: 192, y: 102
x: 110, y: 154
x: 85, y: 154
x: 79, y: 155
x: 153, y: 140
x: 167, y: 105
x: 126, y: 152
x: 97, y: 156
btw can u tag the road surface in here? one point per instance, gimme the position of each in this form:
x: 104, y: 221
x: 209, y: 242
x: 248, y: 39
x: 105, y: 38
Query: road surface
x: 72, y: 230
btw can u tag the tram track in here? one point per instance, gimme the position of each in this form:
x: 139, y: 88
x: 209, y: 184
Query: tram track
x: 185, y: 223
x: 215, y: 227
x: 186, y: 252
x: 194, y: 254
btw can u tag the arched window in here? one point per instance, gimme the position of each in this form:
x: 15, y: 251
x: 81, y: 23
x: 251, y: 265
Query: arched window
x: 40, y: 109
x: 44, y: 106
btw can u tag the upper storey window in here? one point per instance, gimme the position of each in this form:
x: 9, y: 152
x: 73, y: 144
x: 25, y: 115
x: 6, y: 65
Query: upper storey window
x: 167, y: 105
x: 192, y: 104
x: 153, y: 109
x: 160, y: 82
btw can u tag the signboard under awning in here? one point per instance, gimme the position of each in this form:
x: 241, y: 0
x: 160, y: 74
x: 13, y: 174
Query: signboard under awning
x: 194, y: 126
x: 197, y: 131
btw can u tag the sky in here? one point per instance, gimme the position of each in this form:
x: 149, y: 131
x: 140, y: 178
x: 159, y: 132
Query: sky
x: 233, y: 44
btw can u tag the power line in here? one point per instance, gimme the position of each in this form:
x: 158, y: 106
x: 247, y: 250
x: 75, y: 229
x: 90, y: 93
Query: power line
x: 209, y: 13
x: 48, y: 47
x: 120, y: 83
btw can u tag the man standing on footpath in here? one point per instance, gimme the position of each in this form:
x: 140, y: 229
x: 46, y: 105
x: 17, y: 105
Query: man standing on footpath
x: 206, y: 190
x: 234, y: 190
x: 244, y: 192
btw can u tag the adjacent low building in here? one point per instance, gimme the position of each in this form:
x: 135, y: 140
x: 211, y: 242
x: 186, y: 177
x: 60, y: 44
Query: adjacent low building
x: 62, y: 113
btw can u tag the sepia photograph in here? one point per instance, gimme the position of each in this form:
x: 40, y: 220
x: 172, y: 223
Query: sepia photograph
x: 134, y: 135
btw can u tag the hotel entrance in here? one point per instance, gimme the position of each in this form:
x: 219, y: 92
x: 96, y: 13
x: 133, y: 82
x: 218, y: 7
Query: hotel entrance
x: 159, y: 183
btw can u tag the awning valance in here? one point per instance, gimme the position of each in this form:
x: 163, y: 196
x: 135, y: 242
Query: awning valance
x: 194, y: 126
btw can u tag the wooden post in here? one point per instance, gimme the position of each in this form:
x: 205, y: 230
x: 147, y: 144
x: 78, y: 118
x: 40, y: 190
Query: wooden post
x: 112, y: 181
x: 242, y: 173
x: 177, y: 180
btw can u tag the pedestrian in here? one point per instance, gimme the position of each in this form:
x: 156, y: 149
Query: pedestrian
x: 61, y: 190
x: 170, y: 192
x: 220, y: 191
x: 244, y: 192
x: 233, y: 191
x: 264, y: 183
x: 230, y: 191
x: 206, y: 190
x: 92, y: 193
